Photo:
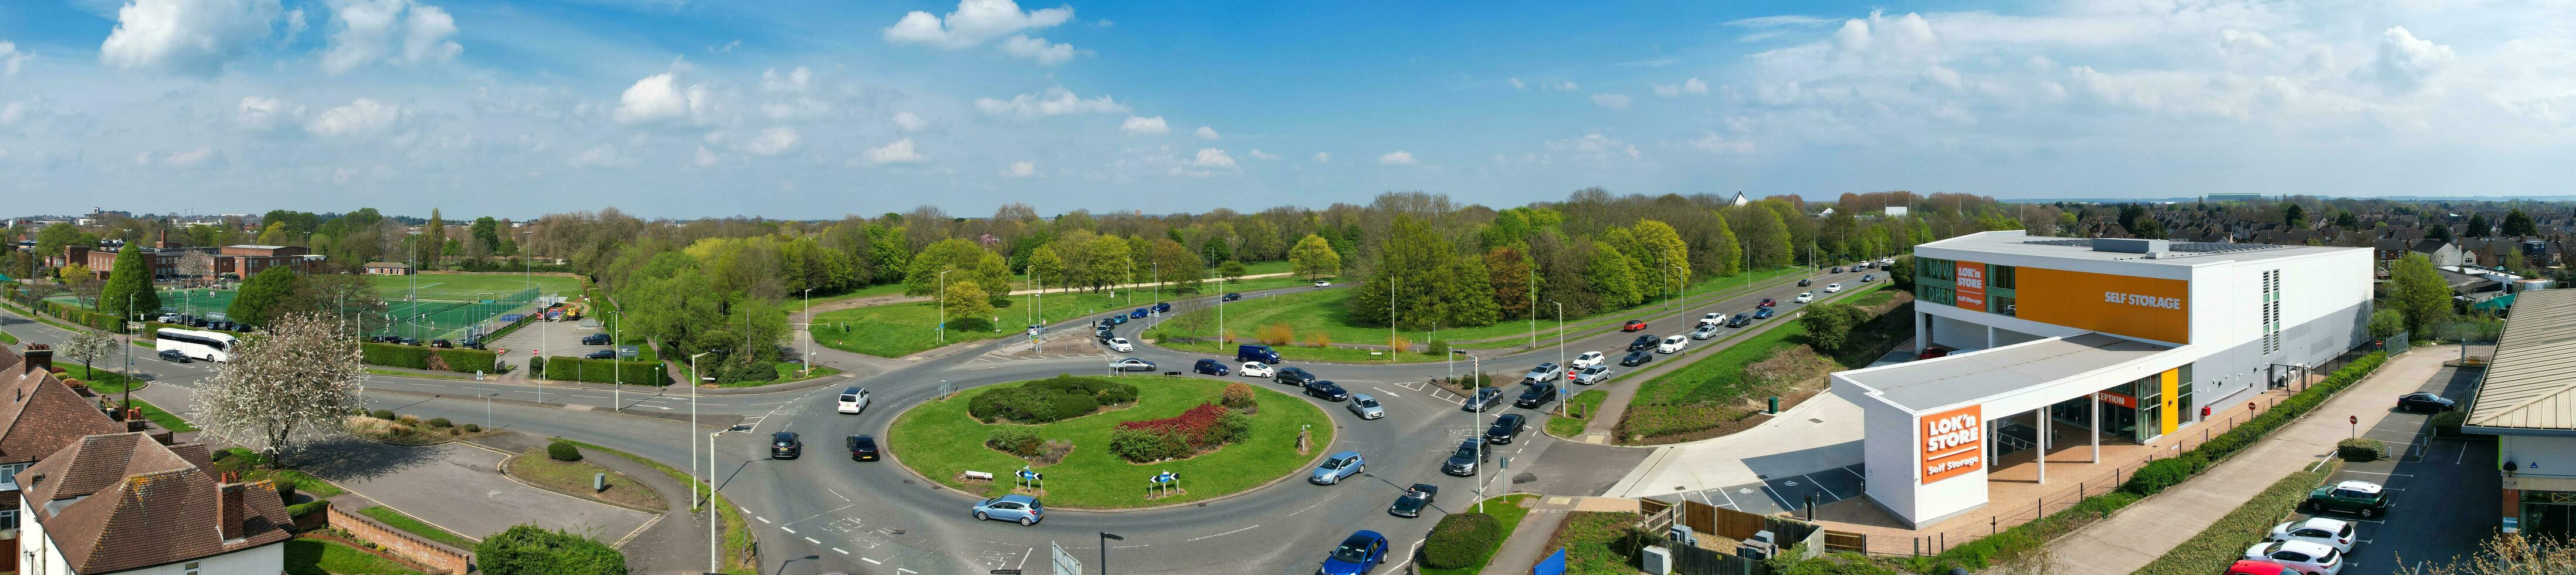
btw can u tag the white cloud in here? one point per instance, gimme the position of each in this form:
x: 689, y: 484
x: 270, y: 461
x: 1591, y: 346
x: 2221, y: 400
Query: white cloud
x: 1595, y: 147
x: 189, y: 159
x: 193, y: 37
x: 771, y: 142
x: 10, y: 59
x: 1396, y: 158
x: 1257, y: 155
x: 706, y: 157
x: 362, y: 117
x: 1691, y: 86
x: 1562, y: 86
x: 974, y: 22
x: 1055, y: 101
x: 658, y: 97
x: 1517, y: 85
x: 265, y: 114
x: 2406, y: 63
x: 1021, y: 170
x: 391, y: 31
x: 1135, y: 126
x: 601, y: 156
x: 1207, y: 133
x: 1038, y: 49
x: 1324, y: 157
x: 910, y: 122
x: 792, y: 81
x: 1612, y: 101
x: 1213, y: 158
x: 899, y: 152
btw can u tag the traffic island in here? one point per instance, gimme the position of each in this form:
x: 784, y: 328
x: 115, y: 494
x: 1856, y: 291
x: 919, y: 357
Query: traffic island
x: 944, y: 441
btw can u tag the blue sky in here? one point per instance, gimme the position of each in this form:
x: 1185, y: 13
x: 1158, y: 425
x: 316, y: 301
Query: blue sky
x: 687, y: 108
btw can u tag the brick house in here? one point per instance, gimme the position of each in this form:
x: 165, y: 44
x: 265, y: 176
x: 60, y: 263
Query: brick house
x: 39, y: 415
x: 124, y: 503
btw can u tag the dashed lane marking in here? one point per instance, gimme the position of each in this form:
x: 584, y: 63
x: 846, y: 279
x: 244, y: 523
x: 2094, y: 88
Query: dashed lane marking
x: 762, y: 519
x: 1217, y: 535
x: 871, y: 561
x: 811, y: 540
x: 838, y: 550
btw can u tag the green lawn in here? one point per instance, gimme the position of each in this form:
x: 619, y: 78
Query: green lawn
x: 102, y: 379
x: 1597, y: 542
x: 305, y: 556
x: 7, y: 338
x: 938, y: 440
x: 163, y: 418
x: 737, y: 532
x: 1304, y: 353
x: 1675, y: 401
x: 787, y: 372
x: 1310, y: 313
x: 1506, y: 510
x: 1580, y: 407
x: 472, y: 287
x: 398, y: 520
x: 897, y: 330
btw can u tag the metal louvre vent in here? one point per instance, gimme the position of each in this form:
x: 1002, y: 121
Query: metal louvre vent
x: 2186, y: 247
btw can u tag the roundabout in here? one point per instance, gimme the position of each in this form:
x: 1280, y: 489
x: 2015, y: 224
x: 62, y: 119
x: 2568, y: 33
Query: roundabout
x: 941, y: 442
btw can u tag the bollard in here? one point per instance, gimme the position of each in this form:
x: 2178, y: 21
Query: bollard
x: 1775, y: 405
x: 598, y: 482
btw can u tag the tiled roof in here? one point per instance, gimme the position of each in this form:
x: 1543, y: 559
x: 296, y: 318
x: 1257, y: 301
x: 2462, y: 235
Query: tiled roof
x: 115, y: 502
x: 39, y: 415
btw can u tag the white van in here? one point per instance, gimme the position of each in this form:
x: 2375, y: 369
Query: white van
x: 854, y: 400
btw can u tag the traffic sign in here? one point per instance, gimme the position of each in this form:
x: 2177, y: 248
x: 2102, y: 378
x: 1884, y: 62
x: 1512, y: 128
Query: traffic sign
x: 1166, y: 477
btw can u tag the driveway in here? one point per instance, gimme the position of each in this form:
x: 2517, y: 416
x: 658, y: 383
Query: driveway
x: 460, y: 488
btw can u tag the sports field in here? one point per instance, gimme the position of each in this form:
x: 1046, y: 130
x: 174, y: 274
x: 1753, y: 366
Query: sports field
x: 472, y: 287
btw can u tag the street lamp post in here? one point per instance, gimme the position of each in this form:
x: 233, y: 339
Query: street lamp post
x: 1475, y: 419
x: 1560, y: 331
x: 693, y: 424
x: 808, y: 360
x: 1105, y: 538
x: 943, y: 307
x: 617, y: 378
x: 712, y: 525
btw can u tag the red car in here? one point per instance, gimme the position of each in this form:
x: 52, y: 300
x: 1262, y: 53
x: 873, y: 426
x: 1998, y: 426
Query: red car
x: 2244, y: 567
x: 1934, y: 351
x: 1633, y: 325
x: 1766, y: 302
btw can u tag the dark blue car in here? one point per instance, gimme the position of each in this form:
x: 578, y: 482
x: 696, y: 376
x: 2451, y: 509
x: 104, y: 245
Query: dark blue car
x: 1164, y: 307
x: 1356, y: 555
x: 1210, y: 367
x: 1140, y: 313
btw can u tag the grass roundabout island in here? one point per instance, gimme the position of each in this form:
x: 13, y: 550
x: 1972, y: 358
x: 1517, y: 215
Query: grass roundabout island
x: 1064, y: 428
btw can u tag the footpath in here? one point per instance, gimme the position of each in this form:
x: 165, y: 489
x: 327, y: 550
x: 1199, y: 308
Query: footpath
x: 2144, y: 531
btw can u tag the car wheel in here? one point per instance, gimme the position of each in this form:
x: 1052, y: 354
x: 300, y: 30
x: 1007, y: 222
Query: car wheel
x: 2367, y: 513
x: 1027, y: 521
x: 980, y: 516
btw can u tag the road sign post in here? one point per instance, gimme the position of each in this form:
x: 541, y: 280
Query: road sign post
x: 1063, y: 562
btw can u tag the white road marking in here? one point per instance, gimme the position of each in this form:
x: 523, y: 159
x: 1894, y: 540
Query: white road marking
x: 871, y: 561
x: 745, y: 509
x: 899, y: 570
x: 1217, y: 535
x: 1821, y: 486
x: 838, y: 550
x: 780, y: 528
x: 2378, y: 473
x: 762, y: 519
x: 838, y: 494
x: 1294, y: 513
x: 811, y: 540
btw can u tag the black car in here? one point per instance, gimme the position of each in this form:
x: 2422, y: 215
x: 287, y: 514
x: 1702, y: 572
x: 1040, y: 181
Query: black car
x: 1536, y: 395
x: 1230, y: 297
x: 1507, y: 427
x: 1485, y: 399
x: 601, y: 354
x: 1413, y: 501
x: 1104, y: 335
x: 1462, y: 462
x: 199, y: 322
x: 863, y: 448
x: 785, y: 445
x: 1209, y: 367
x: 1740, y: 320
x: 172, y: 355
x: 1804, y: 282
x: 473, y: 344
x: 1162, y: 307
x: 1644, y: 342
x: 1838, y: 269
x: 595, y: 339
x: 1292, y: 376
x: 441, y: 344
x: 1327, y: 390
x: 1636, y: 358
x: 2425, y: 402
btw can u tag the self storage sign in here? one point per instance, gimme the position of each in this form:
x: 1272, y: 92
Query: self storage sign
x: 1953, y: 442
x: 1969, y: 286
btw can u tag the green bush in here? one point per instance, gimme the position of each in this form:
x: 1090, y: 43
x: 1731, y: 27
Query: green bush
x: 2447, y: 424
x: 1233, y: 427
x: 1015, y: 440
x: 440, y: 422
x: 1148, y: 445
x: 2361, y: 449
x: 1237, y: 396
x: 1461, y: 540
x: 530, y: 550
x: 2219, y: 545
x: 2162, y: 473
x: 562, y: 368
x: 473, y: 427
x: 1049, y: 400
x: 394, y: 354
x: 384, y: 414
x: 537, y: 367
x: 563, y: 451
x: 307, y: 508
x: 463, y: 360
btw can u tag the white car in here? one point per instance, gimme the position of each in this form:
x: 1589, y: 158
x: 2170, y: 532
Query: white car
x: 854, y: 400
x: 1705, y: 331
x: 2301, y: 556
x: 1121, y: 344
x: 1322, y: 283
x: 1672, y: 344
x: 1712, y: 318
x: 1831, y: 288
x: 2335, y: 533
x: 1257, y: 369
x: 1588, y: 359
x: 1805, y: 296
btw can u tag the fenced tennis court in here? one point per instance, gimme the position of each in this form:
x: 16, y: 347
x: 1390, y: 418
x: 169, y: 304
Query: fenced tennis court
x: 201, y: 302
x: 449, y: 320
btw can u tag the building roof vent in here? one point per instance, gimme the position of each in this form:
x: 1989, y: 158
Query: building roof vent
x: 2130, y: 245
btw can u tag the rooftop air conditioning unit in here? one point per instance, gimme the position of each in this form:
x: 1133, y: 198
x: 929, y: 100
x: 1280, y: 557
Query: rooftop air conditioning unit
x: 1656, y: 560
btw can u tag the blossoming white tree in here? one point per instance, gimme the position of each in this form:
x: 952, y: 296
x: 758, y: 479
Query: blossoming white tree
x: 88, y: 346
x: 283, y: 387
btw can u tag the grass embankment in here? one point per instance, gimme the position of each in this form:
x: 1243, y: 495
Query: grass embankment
x: 412, y: 525
x: 737, y: 534
x: 1600, y: 542
x: 573, y: 478
x: 1722, y: 390
x: 2223, y: 542
x: 308, y: 556
x: 101, y: 379
x: 7, y: 338
x: 163, y: 418
x: 1507, y: 511
x: 1578, y: 412
x: 1315, y: 315
x: 901, y: 329
x: 941, y: 441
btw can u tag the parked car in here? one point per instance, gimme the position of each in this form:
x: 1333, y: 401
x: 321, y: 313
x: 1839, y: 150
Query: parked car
x: 863, y: 448
x: 1322, y: 283
x: 785, y: 445
x: 2248, y: 567
x: 601, y: 354
x: 2361, y: 498
x: 2335, y: 533
x: 173, y: 356
x: 1868, y: 278
x: 1013, y: 507
x: 1712, y: 318
x: 1672, y: 344
x: 1636, y: 358
x: 1536, y: 395
x: 1804, y: 282
x: 1293, y: 376
x: 1549, y: 371
x: 1208, y: 367
x: 1805, y: 296
x: 1121, y: 345
x: 1767, y: 302
x: 1740, y: 320
x: 1260, y: 353
x: 1359, y: 553
x: 1593, y: 375
x: 1140, y: 313
x: 1162, y: 307
x: 1257, y: 369
x: 2425, y: 402
x: 1761, y: 313
x: 1338, y: 467
x: 1705, y: 331
x: 1414, y: 500
x: 2301, y: 556
x: 1588, y: 359
x: 472, y: 344
x: 1366, y: 406
x: 853, y: 400
x: 1633, y: 325
x: 1131, y: 364
x: 1484, y: 400
x: 1933, y: 351
x: 1506, y: 428
x: 1643, y: 342
x: 1831, y: 288
x: 444, y: 344
x: 595, y: 339
x: 1230, y: 296
x: 1462, y: 461
x: 1327, y: 390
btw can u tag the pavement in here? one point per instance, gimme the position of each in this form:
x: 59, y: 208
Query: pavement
x: 460, y: 488
x: 2148, y: 529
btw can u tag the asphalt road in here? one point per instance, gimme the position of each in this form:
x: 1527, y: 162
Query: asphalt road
x: 2445, y: 490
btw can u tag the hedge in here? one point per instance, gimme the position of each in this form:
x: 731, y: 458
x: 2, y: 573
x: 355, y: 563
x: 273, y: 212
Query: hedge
x: 2361, y: 449
x: 394, y: 354
x: 2228, y: 444
x: 2218, y: 546
x: 468, y: 360
x: 1461, y: 540
x: 565, y: 368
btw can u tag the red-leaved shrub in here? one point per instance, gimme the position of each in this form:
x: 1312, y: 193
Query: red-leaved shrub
x: 1194, y: 424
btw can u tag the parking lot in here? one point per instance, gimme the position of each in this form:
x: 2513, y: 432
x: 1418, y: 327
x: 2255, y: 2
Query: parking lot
x: 2444, y: 490
x: 1777, y: 494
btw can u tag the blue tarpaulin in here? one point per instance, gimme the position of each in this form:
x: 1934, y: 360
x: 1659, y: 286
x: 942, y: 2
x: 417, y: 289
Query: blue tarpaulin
x: 1554, y: 564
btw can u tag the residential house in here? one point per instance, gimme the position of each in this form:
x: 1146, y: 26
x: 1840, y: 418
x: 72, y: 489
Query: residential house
x: 38, y: 416
x: 2442, y: 253
x: 123, y: 503
x: 386, y: 269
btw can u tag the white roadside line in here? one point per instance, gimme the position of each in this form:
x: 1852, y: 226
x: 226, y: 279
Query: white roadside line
x: 838, y: 550
x: 811, y: 540
x: 762, y: 519
x: 871, y: 561
x: 1217, y: 535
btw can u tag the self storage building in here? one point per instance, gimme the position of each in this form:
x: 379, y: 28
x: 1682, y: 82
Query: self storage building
x: 2091, y: 340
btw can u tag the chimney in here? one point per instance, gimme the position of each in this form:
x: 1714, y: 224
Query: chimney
x: 165, y: 240
x: 229, y: 512
x: 40, y: 357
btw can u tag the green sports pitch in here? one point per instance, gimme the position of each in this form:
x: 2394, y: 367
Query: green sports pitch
x: 471, y: 287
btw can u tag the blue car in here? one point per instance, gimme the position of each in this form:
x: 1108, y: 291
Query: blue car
x: 1165, y: 307
x: 1358, y: 554
x: 1338, y: 467
x: 1761, y: 312
x: 1013, y: 507
x: 1117, y: 319
x: 1209, y: 367
x: 1140, y: 313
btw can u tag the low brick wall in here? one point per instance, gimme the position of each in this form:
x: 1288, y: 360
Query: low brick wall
x: 423, y: 551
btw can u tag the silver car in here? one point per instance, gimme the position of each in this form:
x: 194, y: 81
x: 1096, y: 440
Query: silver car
x: 1592, y: 375
x: 1366, y: 407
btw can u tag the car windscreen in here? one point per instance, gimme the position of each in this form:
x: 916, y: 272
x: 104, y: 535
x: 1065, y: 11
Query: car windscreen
x: 1352, y: 551
x: 1367, y: 403
x: 1336, y: 463
x: 1467, y: 451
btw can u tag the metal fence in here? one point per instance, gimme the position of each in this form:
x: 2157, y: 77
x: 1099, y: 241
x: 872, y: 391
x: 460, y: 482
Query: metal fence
x: 430, y: 319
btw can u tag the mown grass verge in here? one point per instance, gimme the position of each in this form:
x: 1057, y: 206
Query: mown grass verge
x: 2223, y: 542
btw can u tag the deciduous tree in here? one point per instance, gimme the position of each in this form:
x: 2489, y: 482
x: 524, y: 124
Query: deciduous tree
x: 283, y: 387
x: 129, y: 286
x: 2519, y: 224
x: 1314, y: 258
x: 261, y: 296
x: 2418, y: 291
x: 88, y: 346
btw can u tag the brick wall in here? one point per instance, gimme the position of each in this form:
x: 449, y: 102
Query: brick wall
x: 396, y: 541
